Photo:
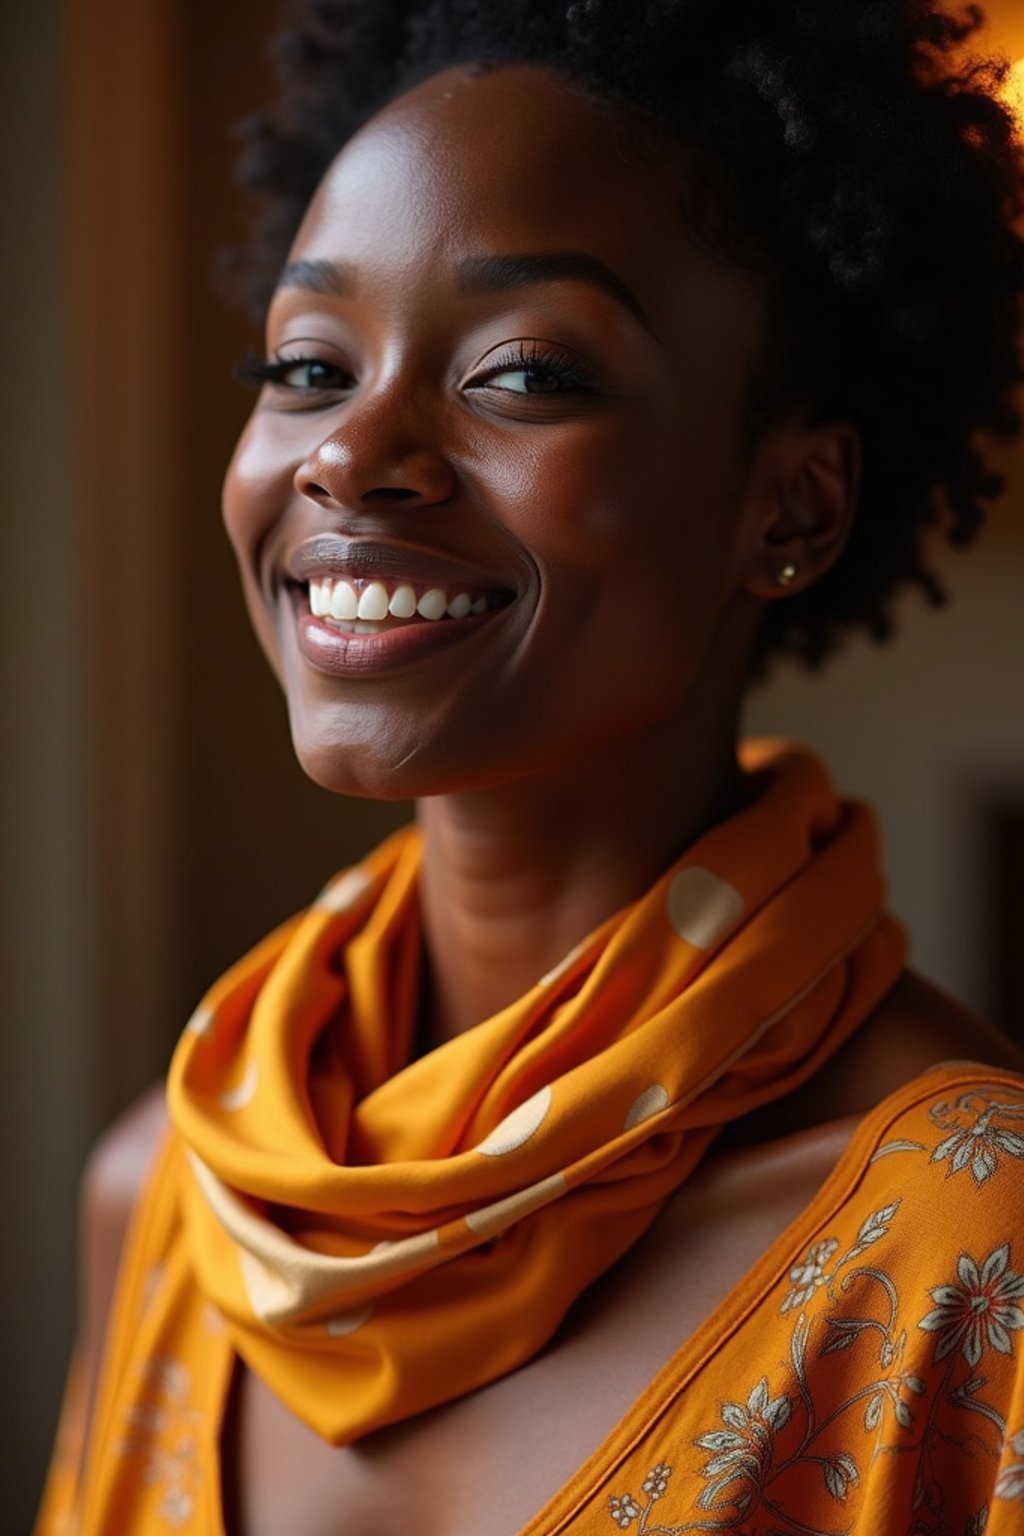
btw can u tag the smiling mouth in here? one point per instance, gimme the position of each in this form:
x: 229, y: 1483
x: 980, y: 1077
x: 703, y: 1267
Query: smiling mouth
x: 365, y: 606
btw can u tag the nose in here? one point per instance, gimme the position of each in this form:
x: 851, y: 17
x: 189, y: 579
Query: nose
x: 377, y: 454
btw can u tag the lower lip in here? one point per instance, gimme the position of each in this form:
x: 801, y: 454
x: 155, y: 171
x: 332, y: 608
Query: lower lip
x: 343, y: 655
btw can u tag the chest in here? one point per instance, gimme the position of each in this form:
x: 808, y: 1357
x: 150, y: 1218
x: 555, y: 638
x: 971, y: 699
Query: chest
x: 491, y: 1461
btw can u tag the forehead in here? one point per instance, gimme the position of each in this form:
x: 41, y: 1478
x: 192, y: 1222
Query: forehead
x: 516, y: 159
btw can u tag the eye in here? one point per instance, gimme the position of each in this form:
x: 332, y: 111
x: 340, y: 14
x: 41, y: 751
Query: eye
x: 528, y: 381
x: 304, y: 375
x: 528, y: 368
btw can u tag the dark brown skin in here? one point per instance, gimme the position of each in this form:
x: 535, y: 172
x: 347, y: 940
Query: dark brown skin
x: 563, y: 755
x: 587, y: 734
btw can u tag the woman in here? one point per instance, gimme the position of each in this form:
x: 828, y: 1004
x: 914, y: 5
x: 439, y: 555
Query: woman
x: 588, y: 1149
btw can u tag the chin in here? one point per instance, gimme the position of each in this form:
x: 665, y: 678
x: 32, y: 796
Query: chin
x: 343, y: 769
x: 392, y: 769
x: 372, y: 769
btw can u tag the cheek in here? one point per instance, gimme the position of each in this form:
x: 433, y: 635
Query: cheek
x: 255, y: 493
x: 622, y: 497
x: 629, y: 523
x: 252, y: 502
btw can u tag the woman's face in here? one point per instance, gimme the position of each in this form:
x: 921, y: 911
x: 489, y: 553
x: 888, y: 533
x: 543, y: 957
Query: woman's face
x: 508, y: 377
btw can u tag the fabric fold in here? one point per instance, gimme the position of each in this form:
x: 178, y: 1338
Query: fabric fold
x: 383, y: 1234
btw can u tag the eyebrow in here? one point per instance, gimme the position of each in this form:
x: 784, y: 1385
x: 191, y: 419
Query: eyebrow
x: 498, y: 274
x: 484, y: 274
x: 328, y: 277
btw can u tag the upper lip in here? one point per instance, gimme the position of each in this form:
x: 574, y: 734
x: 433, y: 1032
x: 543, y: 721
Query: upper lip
x: 348, y: 559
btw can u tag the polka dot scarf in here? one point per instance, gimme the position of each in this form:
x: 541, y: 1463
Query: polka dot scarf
x: 382, y: 1234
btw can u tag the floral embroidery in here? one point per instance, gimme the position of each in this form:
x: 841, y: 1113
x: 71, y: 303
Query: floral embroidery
x: 977, y: 1144
x: 656, y: 1481
x: 888, y: 1415
x: 624, y: 1511
x: 839, y: 1474
x: 163, y: 1432
x: 1010, y: 1482
x: 979, y: 1313
x: 744, y: 1450
x: 807, y: 1277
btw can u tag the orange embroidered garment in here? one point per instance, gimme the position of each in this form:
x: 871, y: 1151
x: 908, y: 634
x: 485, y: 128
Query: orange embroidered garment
x: 375, y: 1235
x: 865, y: 1377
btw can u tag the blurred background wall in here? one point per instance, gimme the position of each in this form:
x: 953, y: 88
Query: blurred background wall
x: 154, y: 823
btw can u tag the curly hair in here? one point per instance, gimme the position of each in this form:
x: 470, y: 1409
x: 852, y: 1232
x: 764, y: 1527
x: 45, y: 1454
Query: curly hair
x: 857, y: 157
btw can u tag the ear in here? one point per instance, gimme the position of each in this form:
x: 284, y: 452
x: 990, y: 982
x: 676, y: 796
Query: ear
x: 801, y: 497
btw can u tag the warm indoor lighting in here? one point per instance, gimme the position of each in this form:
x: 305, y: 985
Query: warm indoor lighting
x: 1013, y: 92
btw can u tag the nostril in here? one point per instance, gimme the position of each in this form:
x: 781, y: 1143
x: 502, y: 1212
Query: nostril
x: 389, y: 493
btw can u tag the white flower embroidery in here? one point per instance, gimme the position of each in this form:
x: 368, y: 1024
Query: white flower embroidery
x: 162, y: 1428
x: 624, y: 1511
x: 656, y: 1481
x: 1010, y: 1482
x: 745, y: 1448
x: 176, y: 1506
x: 976, y: 1146
x: 809, y: 1275
x: 980, y: 1312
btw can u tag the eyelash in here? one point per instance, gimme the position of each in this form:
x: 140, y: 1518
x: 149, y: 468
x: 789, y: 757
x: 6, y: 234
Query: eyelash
x: 533, y: 357
x: 528, y: 358
x: 274, y: 370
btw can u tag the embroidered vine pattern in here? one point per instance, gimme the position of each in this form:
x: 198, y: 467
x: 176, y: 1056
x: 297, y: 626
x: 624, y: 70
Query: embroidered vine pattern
x: 978, y: 1143
x: 976, y: 1128
x: 743, y: 1465
x: 163, y: 1431
x: 974, y: 1312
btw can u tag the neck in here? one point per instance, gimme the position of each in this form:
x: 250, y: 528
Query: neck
x: 514, y: 877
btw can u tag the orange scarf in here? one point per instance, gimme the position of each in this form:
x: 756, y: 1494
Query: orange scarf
x: 379, y: 1235
x: 382, y: 1235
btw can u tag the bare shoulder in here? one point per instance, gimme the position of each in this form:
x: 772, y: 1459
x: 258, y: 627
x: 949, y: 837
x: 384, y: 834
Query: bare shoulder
x: 111, y: 1180
x: 916, y: 1026
x: 117, y: 1163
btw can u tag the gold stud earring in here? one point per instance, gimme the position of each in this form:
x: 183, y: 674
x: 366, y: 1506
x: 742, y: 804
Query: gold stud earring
x: 785, y: 575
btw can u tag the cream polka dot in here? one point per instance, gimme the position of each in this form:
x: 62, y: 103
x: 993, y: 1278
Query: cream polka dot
x: 283, y: 1278
x: 213, y: 1320
x: 701, y: 906
x: 517, y: 1128
x: 244, y: 1093
x: 651, y: 1102
x: 345, y: 891
x: 270, y: 1295
x: 492, y: 1219
x: 348, y: 1322
x: 201, y: 1022
x: 565, y: 964
x: 395, y: 1255
x: 152, y: 1283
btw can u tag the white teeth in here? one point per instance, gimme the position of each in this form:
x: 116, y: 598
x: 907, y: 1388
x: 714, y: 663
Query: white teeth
x: 343, y: 601
x: 403, y: 603
x: 432, y: 604
x: 373, y: 604
x: 336, y: 599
